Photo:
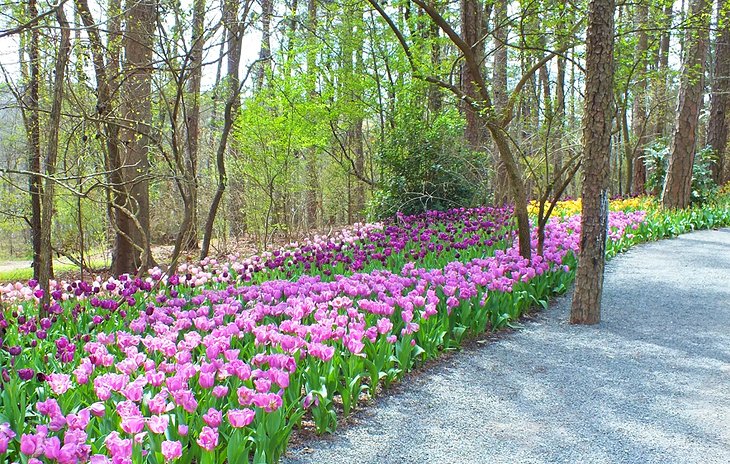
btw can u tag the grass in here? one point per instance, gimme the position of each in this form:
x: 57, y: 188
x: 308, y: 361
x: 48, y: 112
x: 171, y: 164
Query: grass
x: 26, y: 273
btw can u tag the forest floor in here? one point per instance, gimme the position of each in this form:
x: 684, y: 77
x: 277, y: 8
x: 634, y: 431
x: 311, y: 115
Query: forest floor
x: 14, y: 269
x: 649, y: 384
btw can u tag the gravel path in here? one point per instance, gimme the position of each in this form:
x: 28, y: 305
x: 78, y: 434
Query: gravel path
x: 650, y: 384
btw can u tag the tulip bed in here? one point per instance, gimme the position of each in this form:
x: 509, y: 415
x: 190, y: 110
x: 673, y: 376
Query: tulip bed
x: 219, y: 362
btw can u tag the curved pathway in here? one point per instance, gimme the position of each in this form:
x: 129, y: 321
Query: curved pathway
x: 649, y: 384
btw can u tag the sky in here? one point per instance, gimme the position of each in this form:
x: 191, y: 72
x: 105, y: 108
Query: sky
x: 9, y: 57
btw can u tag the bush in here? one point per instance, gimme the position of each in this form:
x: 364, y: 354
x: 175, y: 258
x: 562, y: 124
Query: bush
x: 656, y: 160
x: 427, y: 167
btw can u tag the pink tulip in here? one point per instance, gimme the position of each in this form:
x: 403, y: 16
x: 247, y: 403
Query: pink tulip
x: 208, y: 438
x: 171, y: 450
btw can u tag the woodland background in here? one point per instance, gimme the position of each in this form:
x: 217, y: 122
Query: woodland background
x: 204, y: 124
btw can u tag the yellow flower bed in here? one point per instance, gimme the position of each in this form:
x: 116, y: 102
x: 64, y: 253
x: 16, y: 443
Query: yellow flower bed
x: 571, y: 207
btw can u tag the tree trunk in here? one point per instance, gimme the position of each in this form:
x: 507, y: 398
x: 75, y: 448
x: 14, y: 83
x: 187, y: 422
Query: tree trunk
x: 312, y: 189
x: 678, y: 185
x: 267, y: 12
x: 132, y: 208
x: 358, y: 137
x: 472, y: 31
x: 34, y: 139
x: 517, y: 187
x: 586, y: 305
x: 189, y: 230
x: 105, y: 71
x: 717, y: 122
x: 559, y: 119
x: 54, y: 126
x: 216, y: 87
x: 499, y: 86
x: 358, y: 201
x: 435, y: 100
x: 639, y: 111
x: 663, y: 106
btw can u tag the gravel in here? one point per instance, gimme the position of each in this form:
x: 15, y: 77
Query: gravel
x: 649, y: 384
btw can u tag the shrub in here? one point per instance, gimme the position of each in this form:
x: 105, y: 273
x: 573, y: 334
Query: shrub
x: 428, y: 167
x: 656, y: 160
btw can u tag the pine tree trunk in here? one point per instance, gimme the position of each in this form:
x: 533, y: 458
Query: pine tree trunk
x: 267, y: 12
x: 189, y: 229
x: 312, y: 174
x: 132, y: 251
x: 499, y: 86
x: 472, y: 31
x: 678, y: 185
x: 660, y: 94
x: 717, y: 123
x: 639, y: 113
x: 586, y: 305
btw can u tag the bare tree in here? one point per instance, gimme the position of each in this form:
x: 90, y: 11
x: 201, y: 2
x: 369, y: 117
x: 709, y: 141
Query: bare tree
x: 54, y: 126
x: 234, y: 30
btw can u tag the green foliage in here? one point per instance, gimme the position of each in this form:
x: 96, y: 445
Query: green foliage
x: 275, y: 132
x: 428, y: 166
x: 703, y: 185
x: 656, y: 160
x: 664, y: 223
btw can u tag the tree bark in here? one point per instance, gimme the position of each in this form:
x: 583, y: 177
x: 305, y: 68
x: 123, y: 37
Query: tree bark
x: 517, y: 187
x: 358, y: 136
x: 472, y: 31
x: 106, y: 66
x: 678, y: 185
x: 54, y: 126
x: 661, y: 122
x: 267, y: 12
x: 639, y: 109
x: 435, y: 100
x: 717, y: 123
x: 312, y: 174
x: 586, y: 305
x: 499, y: 86
x: 189, y: 230
x: 34, y: 139
x: 132, y: 251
